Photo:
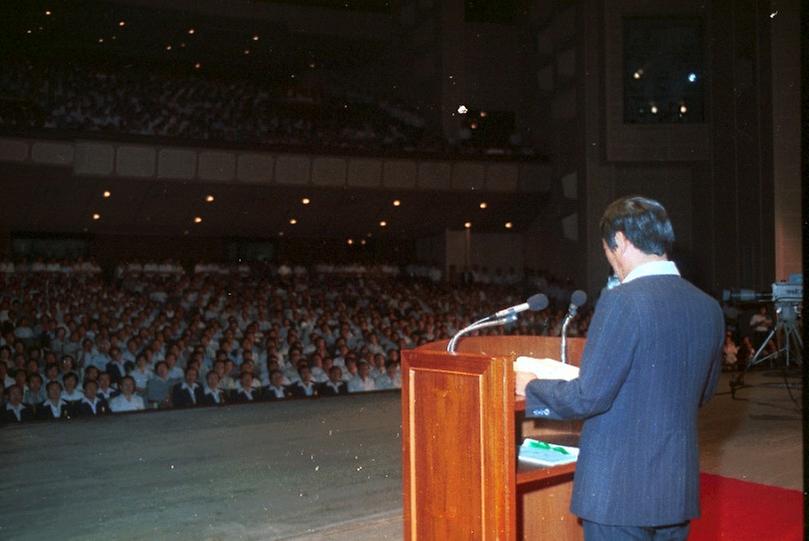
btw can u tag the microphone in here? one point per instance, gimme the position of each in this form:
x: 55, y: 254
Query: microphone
x: 577, y: 299
x: 535, y: 303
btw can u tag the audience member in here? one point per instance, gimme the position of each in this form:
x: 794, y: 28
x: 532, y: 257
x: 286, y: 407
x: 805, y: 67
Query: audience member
x: 127, y: 400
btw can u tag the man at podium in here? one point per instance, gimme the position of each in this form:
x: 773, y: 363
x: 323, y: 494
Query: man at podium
x: 652, y: 358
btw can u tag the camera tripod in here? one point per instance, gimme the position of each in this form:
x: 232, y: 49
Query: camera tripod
x: 789, y: 344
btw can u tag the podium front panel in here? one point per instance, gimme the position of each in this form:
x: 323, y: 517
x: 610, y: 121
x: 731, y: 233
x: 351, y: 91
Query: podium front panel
x: 457, y: 435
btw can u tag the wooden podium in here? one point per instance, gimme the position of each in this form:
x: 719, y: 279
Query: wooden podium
x: 461, y: 426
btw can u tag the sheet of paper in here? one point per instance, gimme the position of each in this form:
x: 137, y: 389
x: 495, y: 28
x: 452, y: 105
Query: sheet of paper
x: 546, y: 368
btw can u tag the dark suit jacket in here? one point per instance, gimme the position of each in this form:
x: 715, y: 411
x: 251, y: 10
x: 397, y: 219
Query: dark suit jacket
x: 652, y: 357
x: 27, y: 414
x: 269, y: 394
x: 240, y: 397
x: 297, y: 390
x: 181, y: 398
x: 326, y: 390
x: 44, y: 412
x: 102, y: 408
x: 207, y: 400
x: 116, y: 375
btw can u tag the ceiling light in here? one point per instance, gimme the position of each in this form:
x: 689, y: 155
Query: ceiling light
x: 191, y: 31
x: 350, y: 242
x: 362, y: 242
x: 197, y: 65
x: 247, y: 51
x: 107, y: 194
x: 396, y: 203
x: 483, y: 204
x: 121, y: 23
x: 101, y: 40
x: 467, y: 225
x: 383, y: 223
x: 683, y: 109
x: 313, y: 65
x: 48, y: 12
x: 255, y: 37
x: 168, y: 47
x: 653, y: 109
x: 509, y: 225
x: 197, y: 219
x: 96, y: 216
x: 306, y: 200
x: 483, y: 114
x: 209, y: 198
x: 292, y: 221
x: 462, y: 109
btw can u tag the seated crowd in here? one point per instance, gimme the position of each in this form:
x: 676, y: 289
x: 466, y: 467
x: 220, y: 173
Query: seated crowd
x: 166, y: 104
x: 154, y: 338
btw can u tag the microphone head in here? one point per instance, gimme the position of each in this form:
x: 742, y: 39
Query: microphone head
x: 537, y: 302
x: 578, y: 298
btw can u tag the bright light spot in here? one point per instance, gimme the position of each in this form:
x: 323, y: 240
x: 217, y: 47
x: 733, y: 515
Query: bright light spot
x: 255, y: 37
x: 197, y: 219
x: 462, y: 109
x: 306, y: 201
x: 28, y: 31
x: 313, y: 65
x: 122, y: 23
x: 48, y: 12
x: 191, y: 31
x: 292, y: 221
x: 483, y: 114
x: 483, y: 204
x: 396, y: 203
x: 101, y: 40
x: 653, y: 109
x: 683, y: 109
x: 209, y: 198
x: 280, y: 233
x: 96, y: 216
x: 362, y: 242
x: 350, y: 242
x: 692, y: 77
x: 197, y: 65
x: 168, y: 47
x: 474, y: 125
x: 509, y: 225
x: 636, y: 75
x: 107, y: 194
x: 467, y: 225
x: 773, y: 14
x: 247, y: 51
x: 383, y: 223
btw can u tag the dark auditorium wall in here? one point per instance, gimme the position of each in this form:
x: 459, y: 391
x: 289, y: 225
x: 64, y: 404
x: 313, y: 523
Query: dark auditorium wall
x: 112, y: 249
x: 716, y: 177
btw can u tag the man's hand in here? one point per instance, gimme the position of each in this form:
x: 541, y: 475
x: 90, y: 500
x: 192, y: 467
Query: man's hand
x: 522, y: 379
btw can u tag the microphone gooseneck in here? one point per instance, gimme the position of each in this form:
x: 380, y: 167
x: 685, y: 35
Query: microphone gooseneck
x: 577, y: 299
x: 534, y: 303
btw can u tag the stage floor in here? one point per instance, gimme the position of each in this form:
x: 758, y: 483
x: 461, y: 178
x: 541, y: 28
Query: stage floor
x: 327, y: 469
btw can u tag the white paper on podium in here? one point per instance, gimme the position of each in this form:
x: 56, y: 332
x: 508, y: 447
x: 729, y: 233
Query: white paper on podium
x: 546, y: 368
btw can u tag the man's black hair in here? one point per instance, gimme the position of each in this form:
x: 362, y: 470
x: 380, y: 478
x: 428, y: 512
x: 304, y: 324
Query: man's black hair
x: 643, y: 221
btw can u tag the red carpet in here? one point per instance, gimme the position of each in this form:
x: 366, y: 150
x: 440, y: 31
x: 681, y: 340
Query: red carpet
x: 737, y: 511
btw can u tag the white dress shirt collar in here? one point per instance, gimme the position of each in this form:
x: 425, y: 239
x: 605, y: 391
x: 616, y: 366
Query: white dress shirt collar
x: 653, y: 268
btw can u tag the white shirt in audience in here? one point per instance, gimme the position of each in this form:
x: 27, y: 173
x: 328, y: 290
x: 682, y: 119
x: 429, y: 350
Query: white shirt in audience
x: 121, y: 404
